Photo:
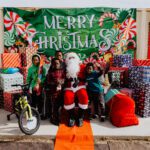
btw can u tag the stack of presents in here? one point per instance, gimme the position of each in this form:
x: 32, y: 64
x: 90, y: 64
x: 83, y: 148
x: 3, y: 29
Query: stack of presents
x: 132, y: 77
x: 14, y: 60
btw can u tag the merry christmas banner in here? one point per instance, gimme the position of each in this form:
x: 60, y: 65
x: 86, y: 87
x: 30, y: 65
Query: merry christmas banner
x: 82, y: 30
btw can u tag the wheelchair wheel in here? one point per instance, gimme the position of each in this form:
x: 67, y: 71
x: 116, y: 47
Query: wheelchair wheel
x: 29, y: 126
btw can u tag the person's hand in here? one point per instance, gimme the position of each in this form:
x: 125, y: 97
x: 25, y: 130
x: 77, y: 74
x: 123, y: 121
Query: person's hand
x: 60, y: 82
x: 38, y: 81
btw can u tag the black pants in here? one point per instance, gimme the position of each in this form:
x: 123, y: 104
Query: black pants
x: 37, y: 101
x: 99, y: 104
x: 53, y: 103
x: 47, y: 104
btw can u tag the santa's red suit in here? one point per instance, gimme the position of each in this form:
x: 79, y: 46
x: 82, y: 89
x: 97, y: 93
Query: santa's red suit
x: 75, y: 85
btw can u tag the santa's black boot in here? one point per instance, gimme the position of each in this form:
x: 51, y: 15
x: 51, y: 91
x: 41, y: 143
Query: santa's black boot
x: 71, y: 122
x: 81, y: 116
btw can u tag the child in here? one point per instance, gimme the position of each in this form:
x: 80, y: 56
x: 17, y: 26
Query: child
x: 59, y: 55
x: 95, y: 90
x: 35, y: 78
x: 54, y: 84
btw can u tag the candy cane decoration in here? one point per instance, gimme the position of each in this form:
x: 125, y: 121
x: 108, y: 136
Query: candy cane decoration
x: 94, y: 54
x: 9, y: 38
x: 100, y: 52
x: 29, y: 31
x: 118, y: 13
x: 122, y: 42
x: 132, y: 41
x: 89, y: 60
x: 128, y: 29
x: 13, y: 23
x: 106, y: 15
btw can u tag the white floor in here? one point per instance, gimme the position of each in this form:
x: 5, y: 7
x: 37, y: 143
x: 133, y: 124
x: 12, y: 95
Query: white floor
x: 106, y: 128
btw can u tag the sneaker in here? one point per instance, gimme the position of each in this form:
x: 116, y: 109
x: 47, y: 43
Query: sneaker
x: 102, y: 118
x: 80, y: 122
x: 71, y: 122
x: 95, y: 116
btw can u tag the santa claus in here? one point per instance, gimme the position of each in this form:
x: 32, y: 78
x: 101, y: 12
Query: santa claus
x: 75, y: 87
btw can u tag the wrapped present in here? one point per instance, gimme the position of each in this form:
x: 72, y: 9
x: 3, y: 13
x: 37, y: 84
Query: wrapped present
x: 126, y: 91
x: 141, y: 62
x: 29, y: 51
x: 141, y: 95
x: 9, y: 99
x: 24, y: 72
x: 116, y: 77
x: 123, y: 60
x: 139, y: 73
x: 1, y: 99
x: 126, y: 69
x: 6, y: 80
x: 10, y: 60
x: 23, y: 60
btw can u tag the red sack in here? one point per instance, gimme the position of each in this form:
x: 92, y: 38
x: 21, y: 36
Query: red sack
x: 122, y: 111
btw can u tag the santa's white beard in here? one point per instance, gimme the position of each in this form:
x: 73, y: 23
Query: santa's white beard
x: 73, y: 68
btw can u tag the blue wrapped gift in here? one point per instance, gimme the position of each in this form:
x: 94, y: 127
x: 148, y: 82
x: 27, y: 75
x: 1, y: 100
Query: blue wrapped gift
x: 139, y: 73
x: 123, y: 60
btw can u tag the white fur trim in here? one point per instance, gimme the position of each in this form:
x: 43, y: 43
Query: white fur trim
x: 76, y: 89
x: 83, y: 106
x: 68, y: 107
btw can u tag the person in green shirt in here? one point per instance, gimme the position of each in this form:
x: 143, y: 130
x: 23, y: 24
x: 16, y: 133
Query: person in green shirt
x: 95, y: 91
x: 36, y: 78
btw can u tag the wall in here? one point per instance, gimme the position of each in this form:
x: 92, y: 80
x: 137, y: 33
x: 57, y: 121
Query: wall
x: 143, y: 19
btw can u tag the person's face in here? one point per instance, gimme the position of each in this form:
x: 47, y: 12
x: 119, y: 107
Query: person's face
x: 89, y: 69
x: 59, y: 56
x: 56, y: 64
x: 36, y: 61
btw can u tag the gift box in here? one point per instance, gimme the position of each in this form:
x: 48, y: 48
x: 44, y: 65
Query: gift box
x: 117, y: 78
x: 141, y: 95
x: 24, y: 72
x: 1, y: 99
x: 124, y: 60
x: 27, y: 59
x: 9, y: 99
x: 141, y: 62
x: 6, y: 80
x: 126, y: 73
x: 139, y: 73
x: 23, y: 60
x: 126, y: 91
x: 10, y: 60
